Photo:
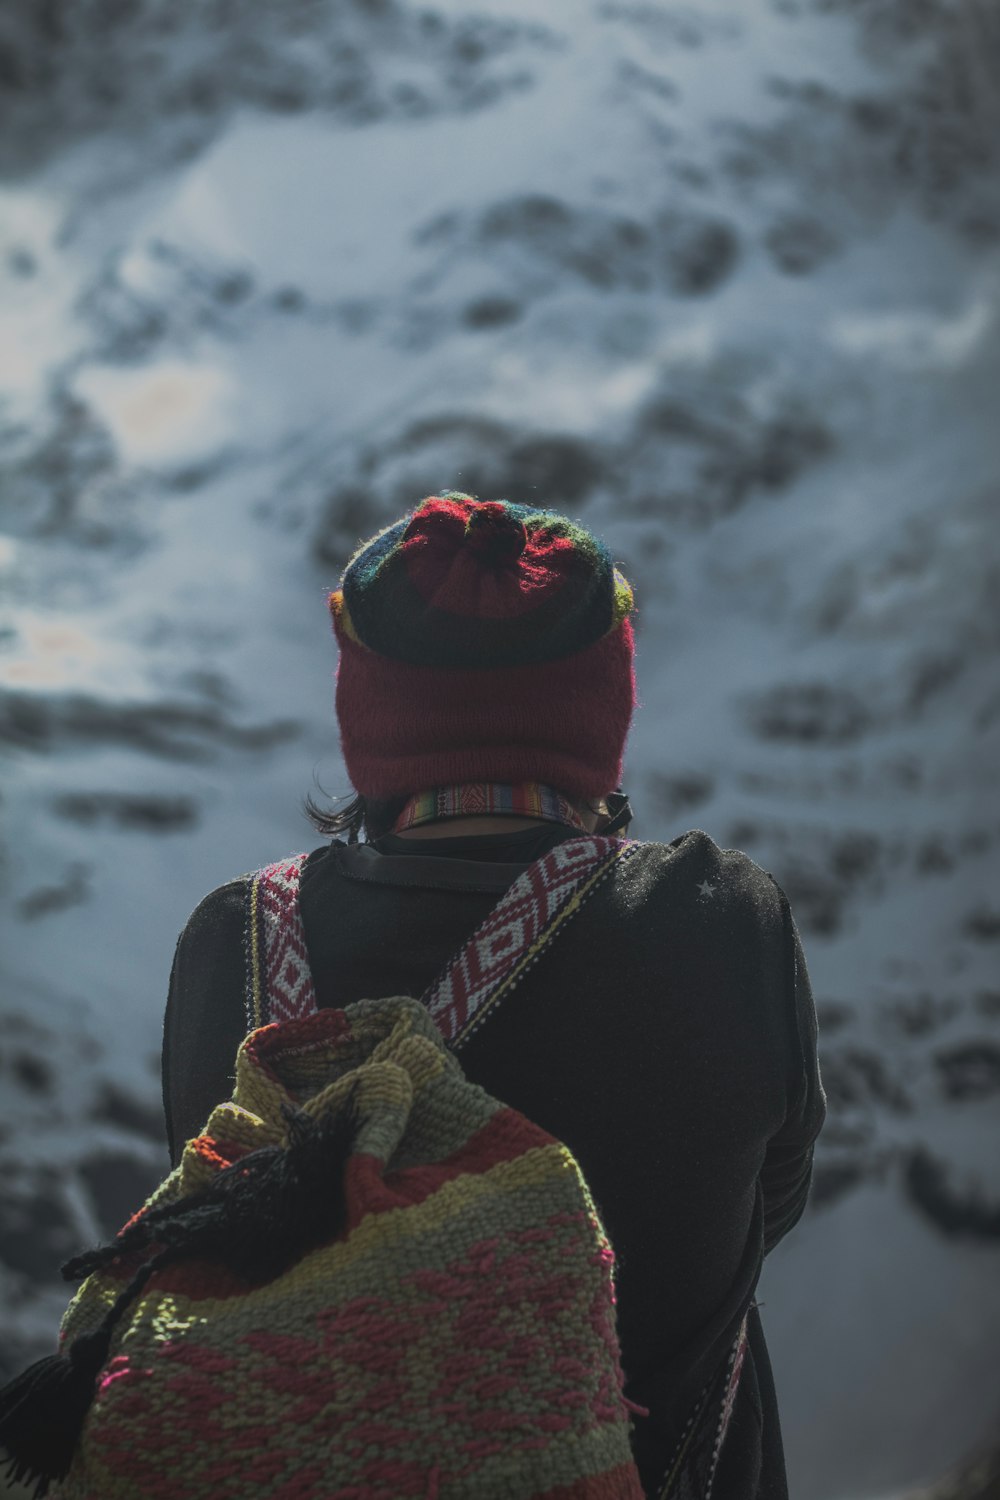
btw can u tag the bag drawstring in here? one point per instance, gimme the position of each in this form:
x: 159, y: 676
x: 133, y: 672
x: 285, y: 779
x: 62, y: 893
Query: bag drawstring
x: 258, y: 1216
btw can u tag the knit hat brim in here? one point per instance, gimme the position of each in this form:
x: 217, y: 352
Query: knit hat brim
x: 562, y: 722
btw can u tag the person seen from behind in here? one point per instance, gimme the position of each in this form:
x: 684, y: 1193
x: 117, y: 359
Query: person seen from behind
x: 484, y: 695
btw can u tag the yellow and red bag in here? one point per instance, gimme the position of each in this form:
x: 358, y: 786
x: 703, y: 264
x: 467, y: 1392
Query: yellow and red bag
x: 366, y: 1279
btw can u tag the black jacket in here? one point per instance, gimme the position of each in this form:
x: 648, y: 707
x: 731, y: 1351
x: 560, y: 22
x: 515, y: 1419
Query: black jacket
x: 668, y: 1037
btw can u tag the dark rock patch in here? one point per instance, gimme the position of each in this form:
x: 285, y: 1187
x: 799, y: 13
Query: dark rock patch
x: 854, y: 856
x: 975, y: 841
x: 32, y: 1072
x: 874, y: 114
x: 698, y: 456
x: 474, y: 40
x: 841, y: 1133
x: 289, y: 299
x: 855, y: 1078
x: 799, y: 244
x: 114, y: 1106
x: 672, y: 794
x: 70, y: 71
x: 661, y: 27
x: 786, y: 445
x: 60, y: 482
x: 976, y: 1478
x: 144, y: 813
x: 233, y: 287
x: 21, y: 262
x: 697, y: 254
x: 832, y: 1181
x: 904, y: 772
x: 639, y: 80
x: 433, y: 454
x: 454, y: 452
x: 535, y: 218
x: 688, y: 458
x: 822, y: 871
x: 348, y: 514
x: 550, y: 469
x: 118, y: 1185
x: 555, y: 239
x: 45, y: 900
x: 834, y: 1015
x: 960, y: 1212
x: 193, y: 292
x: 931, y: 674
x: 817, y: 899
x: 919, y: 1015
x: 983, y: 924
x: 743, y: 834
x: 442, y: 231
x: 930, y: 137
x: 16, y: 1356
x: 191, y: 477
x: 981, y: 227
x: 934, y: 857
x: 492, y: 312
x: 450, y: 429
x: 38, y: 1230
x: 127, y: 326
x: 176, y: 731
x: 808, y: 713
x: 969, y: 1071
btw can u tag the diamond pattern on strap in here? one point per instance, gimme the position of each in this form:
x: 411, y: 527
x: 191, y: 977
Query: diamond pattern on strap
x: 290, y: 994
x: 515, y: 930
x: 510, y: 938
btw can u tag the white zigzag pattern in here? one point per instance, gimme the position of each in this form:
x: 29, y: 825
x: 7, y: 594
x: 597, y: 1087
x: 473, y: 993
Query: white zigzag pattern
x: 288, y: 978
x: 515, y: 923
x: 473, y: 975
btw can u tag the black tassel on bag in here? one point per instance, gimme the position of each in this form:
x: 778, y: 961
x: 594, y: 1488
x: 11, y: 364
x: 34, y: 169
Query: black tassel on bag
x: 42, y: 1412
x: 257, y: 1217
x: 39, y: 1448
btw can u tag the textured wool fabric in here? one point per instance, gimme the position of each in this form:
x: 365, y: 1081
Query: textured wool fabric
x: 669, y: 1038
x: 483, y: 641
x: 453, y: 1335
x: 447, y: 1343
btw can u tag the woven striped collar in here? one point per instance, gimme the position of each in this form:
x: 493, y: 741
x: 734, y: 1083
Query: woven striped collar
x: 528, y: 799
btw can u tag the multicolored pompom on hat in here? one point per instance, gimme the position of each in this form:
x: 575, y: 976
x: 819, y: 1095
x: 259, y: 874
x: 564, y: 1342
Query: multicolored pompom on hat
x: 483, y: 641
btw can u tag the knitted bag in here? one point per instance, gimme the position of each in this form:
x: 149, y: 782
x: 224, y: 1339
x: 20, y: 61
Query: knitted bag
x: 366, y: 1279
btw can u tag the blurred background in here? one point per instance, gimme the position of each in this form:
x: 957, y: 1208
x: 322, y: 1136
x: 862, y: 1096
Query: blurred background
x: 722, y: 279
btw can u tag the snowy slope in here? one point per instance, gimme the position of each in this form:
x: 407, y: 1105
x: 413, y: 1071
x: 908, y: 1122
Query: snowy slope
x: 723, y: 280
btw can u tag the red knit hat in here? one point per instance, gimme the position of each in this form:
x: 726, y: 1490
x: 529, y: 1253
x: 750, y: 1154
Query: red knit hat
x: 483, y: 641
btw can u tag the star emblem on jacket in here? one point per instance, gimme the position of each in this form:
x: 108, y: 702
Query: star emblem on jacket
x: 706, y: 888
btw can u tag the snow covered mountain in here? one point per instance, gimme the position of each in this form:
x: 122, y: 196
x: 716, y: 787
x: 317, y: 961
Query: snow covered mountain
x: 722, y: 279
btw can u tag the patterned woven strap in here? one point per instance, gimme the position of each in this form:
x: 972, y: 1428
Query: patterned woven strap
x: 280, y: 980
x: 529, y: 914
x: 537, y: 906
x: 691, y: 1471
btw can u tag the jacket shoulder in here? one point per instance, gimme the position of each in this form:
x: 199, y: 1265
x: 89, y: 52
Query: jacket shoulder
x: 693, y: 865
x: 218, y: 909
x: 229, y: 901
